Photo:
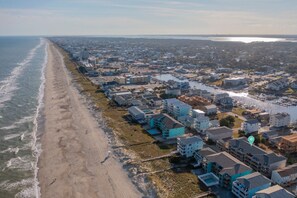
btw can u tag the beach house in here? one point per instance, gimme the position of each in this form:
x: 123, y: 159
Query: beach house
x: 168, y: 126
x: 210, y: 109
x: 250, y: 126
x: 247, y: 186
x: 218, y: 133
x: 226, y: 167
x: 187, y: 146
x: 201, y: 124
x: 275, y: 191
x: 137, y: 114
x: 285, y: 176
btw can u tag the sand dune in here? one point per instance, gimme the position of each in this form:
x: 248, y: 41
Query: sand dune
x: 73, y: 145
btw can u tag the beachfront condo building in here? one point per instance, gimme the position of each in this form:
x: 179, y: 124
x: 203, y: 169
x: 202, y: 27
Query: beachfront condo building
x: 255, y: 157
x: 247, y: 186
x: 226, y: 167
x: 176, y: 108
x: 187, y: 146
x: 168, y: 126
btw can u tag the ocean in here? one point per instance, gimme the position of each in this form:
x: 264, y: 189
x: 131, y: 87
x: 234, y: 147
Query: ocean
x: 22, y: 62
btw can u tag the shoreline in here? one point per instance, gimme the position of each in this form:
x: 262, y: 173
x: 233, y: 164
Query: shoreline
x: 68, y: 166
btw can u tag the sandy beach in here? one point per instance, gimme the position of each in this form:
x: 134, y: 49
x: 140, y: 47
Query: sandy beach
x: 73, y: 145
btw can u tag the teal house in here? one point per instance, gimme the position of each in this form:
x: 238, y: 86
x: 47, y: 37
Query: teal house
x: 168, y: 126
x: 226, y: 168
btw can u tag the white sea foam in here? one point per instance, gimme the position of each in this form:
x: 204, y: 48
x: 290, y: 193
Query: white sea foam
x: 11, y: 136
x: 9, y: 84
x: 36, y: 147
x: 25, y: 184
x: 21, y: 121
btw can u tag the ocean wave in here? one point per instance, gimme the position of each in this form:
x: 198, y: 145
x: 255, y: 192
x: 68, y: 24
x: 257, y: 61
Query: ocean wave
x: 23, y: 120
x: 11, y: 136
x: 36, y: 147
x: 25, y: 184
x: 9, y: 84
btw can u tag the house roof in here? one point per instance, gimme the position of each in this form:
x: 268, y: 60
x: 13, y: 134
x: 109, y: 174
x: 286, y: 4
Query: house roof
x: 230, y: 165
x: 210, y: 106
x: 135, y: 110
x: 168, y: 121
x: 287, y: 171
x: 275, y: 192
x: 206, y: 151
x: 189, y: 140
x: 218, y: 130
x: 253, y: 180
x: 262, y: 156
x: 253, y: 121
x: 291, y: 138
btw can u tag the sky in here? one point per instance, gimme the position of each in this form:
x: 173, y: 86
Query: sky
x: 147, y: 17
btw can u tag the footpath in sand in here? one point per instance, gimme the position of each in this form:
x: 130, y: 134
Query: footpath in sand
x: 73, y: 146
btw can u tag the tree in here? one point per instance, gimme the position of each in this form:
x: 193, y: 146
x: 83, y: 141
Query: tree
x: 227, y: 121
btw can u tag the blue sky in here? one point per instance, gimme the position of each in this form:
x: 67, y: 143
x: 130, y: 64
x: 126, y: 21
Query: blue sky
x: 134, y: 17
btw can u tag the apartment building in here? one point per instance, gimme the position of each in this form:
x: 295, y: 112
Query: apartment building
x: 279, y: 120
x: 255, y: 157
x: 176, y: 108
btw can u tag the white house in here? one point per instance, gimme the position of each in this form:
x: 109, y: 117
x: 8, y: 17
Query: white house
x: 137, y: 114
x: 211, y: 109
x: 285, y: 175
x: 250, y: 126
x: 280, y: 120
x: 187, y: 146
x: 201, y: 123
x: 218, y: 133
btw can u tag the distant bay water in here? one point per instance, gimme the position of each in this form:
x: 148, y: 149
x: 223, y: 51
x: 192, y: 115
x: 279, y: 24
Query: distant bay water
x: 241, y: 97
x: 243, y: 39
x: 22, y: 61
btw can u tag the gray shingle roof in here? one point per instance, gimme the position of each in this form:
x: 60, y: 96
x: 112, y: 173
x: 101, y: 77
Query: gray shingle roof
x: 253, y: 180
x: 262, y: 156
x: 230, y: 165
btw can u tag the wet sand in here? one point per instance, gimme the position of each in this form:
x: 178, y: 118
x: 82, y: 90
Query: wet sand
x: 73, y: 145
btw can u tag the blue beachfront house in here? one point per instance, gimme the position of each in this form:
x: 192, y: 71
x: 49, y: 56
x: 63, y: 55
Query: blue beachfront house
x: 167, y: 125
x: 226, y: 167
